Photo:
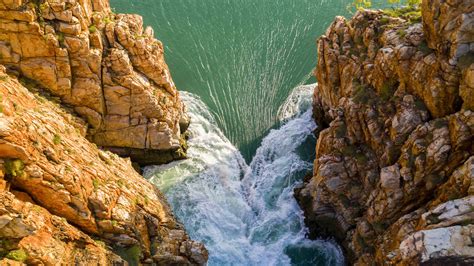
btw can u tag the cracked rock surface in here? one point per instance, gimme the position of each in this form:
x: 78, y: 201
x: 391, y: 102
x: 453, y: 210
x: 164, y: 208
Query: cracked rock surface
x: 393, y: 178
x: 64, y: 201
x: 107, y: 66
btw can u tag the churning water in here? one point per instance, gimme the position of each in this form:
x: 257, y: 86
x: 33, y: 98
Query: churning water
x: 246, y: 214
x: 251, y: 133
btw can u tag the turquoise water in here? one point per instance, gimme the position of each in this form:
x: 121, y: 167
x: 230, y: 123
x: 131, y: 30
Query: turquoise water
x: 242, y: 57
x: 241, y: 64
x: 246, y: 214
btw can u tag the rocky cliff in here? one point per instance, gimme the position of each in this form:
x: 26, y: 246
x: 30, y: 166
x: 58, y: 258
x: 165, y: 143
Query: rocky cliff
x: 393, y: 177
x: 75, y: 77
x: 64, y: 201
x: 106, y: 66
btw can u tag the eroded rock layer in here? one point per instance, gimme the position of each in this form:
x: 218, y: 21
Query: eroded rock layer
x: 107, y: 66
x: 64, y: 201
x: 394, y: 171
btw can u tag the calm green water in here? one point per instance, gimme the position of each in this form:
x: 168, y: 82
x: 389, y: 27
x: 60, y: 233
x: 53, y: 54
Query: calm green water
x: 242, y: 57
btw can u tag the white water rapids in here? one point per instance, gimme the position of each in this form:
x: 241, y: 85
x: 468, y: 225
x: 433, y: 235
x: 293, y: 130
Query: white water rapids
x: 246, y: 214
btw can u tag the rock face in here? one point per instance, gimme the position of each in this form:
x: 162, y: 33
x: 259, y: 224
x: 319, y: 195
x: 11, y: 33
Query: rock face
x: 64, y: 201
x: 106, y: 66
x: 393, y: 177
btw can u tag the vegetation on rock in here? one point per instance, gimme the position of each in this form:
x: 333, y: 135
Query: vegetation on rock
x: 18, y: 255
x: 14, y: 168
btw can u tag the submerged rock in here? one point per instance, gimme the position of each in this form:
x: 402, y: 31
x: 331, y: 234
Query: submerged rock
x: 393, y: 172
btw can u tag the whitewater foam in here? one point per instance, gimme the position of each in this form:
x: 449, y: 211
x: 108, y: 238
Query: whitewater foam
x: 245, y: 214
x: 299, y: 100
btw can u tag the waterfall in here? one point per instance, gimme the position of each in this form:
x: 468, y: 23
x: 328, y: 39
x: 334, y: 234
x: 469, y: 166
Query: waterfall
x: 246, y: 214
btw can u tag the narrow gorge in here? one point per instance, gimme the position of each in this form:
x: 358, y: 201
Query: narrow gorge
x: 306, y: 132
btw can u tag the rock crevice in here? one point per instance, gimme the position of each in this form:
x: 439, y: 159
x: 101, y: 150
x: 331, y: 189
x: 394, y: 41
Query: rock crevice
x: 394, y: 157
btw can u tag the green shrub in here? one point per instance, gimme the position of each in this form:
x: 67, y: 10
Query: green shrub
x: 341, y: 131
x: 362, y: 95
x: 361, y: 158
x: 132, y: 254
x: 18, y: 255
x: 424, y: 48
x: 56, y: 139
x: 401, y: 33
x: 368, y: 3
x: 349, y: 151
x: 100, y: 243
x: 92, y: 29
x: 440, y: 123
x: 405, y: 9
x: 60, y: 37
x: 388, y: 89
x: 95, y: 183
x: 420, y: 105
x: 108, y: 20
x: 379, y: 226
x: 384, y: 20
x: 411, y: 13
x: 43, y: 7
x: 14, y: 168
